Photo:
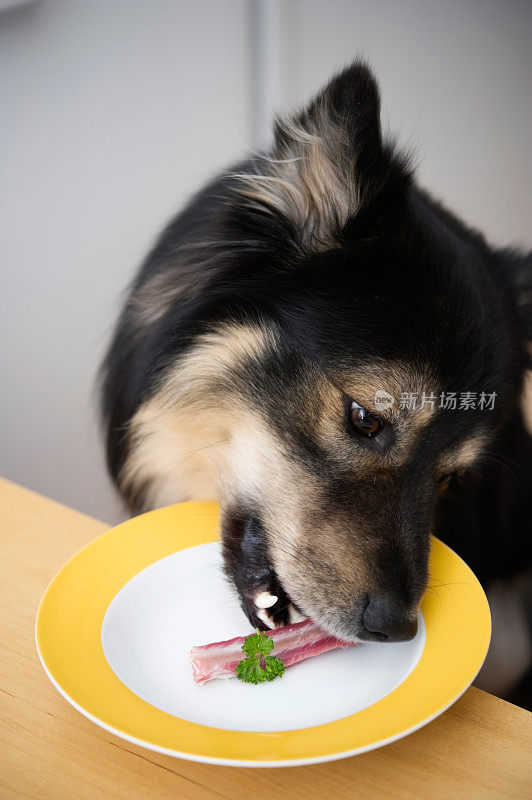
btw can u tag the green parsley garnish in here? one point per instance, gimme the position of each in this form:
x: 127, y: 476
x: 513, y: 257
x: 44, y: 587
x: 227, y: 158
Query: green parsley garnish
x: 259, y: 665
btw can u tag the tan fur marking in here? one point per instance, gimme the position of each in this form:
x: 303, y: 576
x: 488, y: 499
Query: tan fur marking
x: 310, y: 181
x: 179, y: 438
x: 464, y: 456
x: 395, y: 378
x: 152, y: 300
x: 186, y: 277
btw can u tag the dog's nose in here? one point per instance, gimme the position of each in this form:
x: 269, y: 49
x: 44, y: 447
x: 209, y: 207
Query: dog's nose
x: 384, y: 620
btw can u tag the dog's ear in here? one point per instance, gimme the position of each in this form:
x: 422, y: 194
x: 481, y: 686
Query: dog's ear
x: 328, y: 162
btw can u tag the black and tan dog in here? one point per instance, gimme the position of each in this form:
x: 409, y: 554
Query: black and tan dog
x: 339, y: 360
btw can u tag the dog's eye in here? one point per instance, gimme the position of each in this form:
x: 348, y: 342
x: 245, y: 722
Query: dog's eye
x: 363, y: 421
x: 454, y: 478
x: 444, y: 481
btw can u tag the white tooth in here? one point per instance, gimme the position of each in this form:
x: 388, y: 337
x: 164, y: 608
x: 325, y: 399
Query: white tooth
x: 265, y: 600
x: 294, y: 615
x: 261, y: 614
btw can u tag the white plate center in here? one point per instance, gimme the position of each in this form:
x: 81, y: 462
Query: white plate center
x: 184, y: 600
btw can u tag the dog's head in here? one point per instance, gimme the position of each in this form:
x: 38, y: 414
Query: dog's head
x: 384, y: 365
x: 360, y: 350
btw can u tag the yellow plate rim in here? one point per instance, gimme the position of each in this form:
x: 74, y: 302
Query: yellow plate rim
x: 458, y: 630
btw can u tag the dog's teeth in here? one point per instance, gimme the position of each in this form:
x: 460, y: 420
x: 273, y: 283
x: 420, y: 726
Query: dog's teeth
x: 265, y: 600
x: 261, y: 614
x: 294, y: 615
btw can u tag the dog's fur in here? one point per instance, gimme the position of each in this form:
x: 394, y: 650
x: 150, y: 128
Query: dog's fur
x: 291, y: 285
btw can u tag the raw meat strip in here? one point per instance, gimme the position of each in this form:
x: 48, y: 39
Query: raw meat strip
x: 293, y: 643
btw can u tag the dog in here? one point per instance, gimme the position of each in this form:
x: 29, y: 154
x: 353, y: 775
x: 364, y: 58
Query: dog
x: 339, y: 360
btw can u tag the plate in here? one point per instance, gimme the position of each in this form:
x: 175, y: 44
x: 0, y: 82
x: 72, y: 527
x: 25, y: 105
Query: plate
x: 115, y: 625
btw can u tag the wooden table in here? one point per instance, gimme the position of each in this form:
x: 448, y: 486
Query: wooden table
x: 480, y: 748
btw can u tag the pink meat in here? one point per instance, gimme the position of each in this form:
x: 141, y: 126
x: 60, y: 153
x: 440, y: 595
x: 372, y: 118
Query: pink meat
x: 293, y: 643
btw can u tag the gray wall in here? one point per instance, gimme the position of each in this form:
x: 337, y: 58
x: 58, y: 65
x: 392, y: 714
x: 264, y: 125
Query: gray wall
x: 455, y: 79
x: 115, y: 110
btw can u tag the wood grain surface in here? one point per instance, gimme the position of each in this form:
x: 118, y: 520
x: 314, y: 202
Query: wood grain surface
x: 479, y: 748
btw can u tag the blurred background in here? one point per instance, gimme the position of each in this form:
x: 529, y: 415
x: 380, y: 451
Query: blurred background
x: 115, y: 111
